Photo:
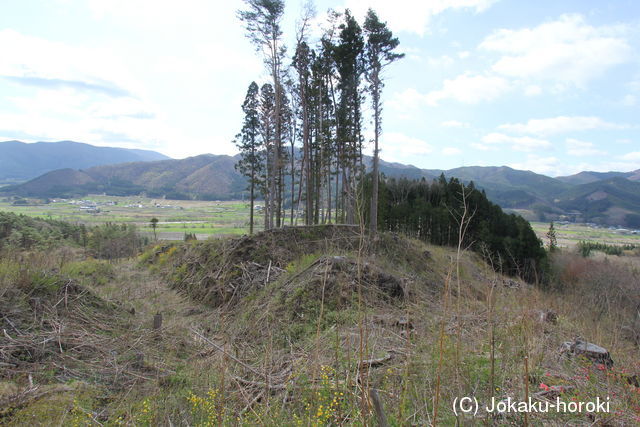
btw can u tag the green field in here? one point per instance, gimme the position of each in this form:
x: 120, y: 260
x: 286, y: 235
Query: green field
x: 176, y: 217
x: 224, y: 218
x: 569, y: 235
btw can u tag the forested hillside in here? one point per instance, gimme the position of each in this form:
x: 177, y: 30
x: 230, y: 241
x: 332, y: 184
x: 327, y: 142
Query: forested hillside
x: 450, y: 213
x: 205, y: 177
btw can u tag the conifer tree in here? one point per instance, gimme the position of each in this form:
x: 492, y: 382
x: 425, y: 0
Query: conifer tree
x: 262, y: 22
x: 348, y: 57
x: 378, y: 53
x: 248, y: 142
x: 267, y: 114
x: 321, y: 110
x: 154, y: 225
x: 301, y: 63
x: 553, y: 240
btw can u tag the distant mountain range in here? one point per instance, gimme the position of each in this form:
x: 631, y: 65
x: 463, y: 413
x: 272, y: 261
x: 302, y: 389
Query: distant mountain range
x: 21, y: 161
x: 206, y: 177
x: 589, y: 177
x: 608, y: 198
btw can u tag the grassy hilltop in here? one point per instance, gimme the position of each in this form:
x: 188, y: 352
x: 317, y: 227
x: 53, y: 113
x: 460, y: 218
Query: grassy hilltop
x: 298, y: 326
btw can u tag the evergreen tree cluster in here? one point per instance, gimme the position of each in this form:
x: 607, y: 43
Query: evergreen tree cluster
x: 301, y: 141
x: 113, y: 241
x: 585, y: 248
x: 108, y: 241
x: 304, y: 128
x: 25, y: 232
x: 435, y: 212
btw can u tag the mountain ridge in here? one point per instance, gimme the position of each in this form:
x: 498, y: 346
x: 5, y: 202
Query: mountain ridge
x: 21, y: 161
x: 612, y: 200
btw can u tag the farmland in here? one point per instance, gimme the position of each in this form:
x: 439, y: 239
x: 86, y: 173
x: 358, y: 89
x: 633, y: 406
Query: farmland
x: 176, y: 217
x: 569, y: 235
x: 227, y: 218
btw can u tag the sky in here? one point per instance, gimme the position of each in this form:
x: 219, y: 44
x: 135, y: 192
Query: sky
x: 551, y: 86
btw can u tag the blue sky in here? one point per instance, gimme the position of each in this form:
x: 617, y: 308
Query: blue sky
x: 551, y: 86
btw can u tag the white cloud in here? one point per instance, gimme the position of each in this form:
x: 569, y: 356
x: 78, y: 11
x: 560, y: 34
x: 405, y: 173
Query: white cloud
x: 544, y: 165
x: 188, y: 15
x: 56, y: 115
x: 633, y: 156
x: 532, y: 90
x: 454, y: 124
x: 567, y: 50
x: 398, y: 147
x: 560, y: 124
x: 414, y: 16
x: 76, y: 93
x: 132, y: 85
x: 482, y: 147
x: 520, y: 143
x: 451, y: 151
x: 411, y: 49
x: 607, y: 166
x: 406, y: 103
x: 464, y: 54
x: 440, y: 61
x: 468, y: 89
x: 36, y: 62
x: 629, y: 100
x: 579, y: 148
x: 464, y: 88
x: 413, y: 53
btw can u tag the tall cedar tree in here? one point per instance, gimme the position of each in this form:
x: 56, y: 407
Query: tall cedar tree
x: 286, y: 114
x: 348, y: 56
x: 291, y: 131
x: 248, y: 142
x: 301, y: 63
x: 267, y: 131
x: 322, y: 146
x: 379, y: 53
x: 262, y: 22
x: 328, y: 43
x: 324, y: 112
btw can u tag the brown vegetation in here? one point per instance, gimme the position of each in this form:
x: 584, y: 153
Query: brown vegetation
x: 322, y: 321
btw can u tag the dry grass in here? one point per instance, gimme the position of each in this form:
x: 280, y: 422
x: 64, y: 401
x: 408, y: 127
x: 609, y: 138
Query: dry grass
x: 304, y: 346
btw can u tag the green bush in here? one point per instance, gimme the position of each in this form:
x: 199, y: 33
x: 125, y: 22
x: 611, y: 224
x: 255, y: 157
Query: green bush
x: 24, y: 232
x: 585, y: 247
x: 89, y: 272
x: 111, y: 241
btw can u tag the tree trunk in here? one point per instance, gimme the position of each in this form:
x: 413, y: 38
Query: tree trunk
x: 307, y: 150
x: 329, y: 191
x: 293, y: 165
x: 376, y: 158
x: 253, y: 174
x: 275, y: 71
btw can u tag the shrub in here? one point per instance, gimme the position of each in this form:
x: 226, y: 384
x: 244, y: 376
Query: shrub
x: 111, y: 241
x: 605, y: 285
x: 24, y: 232
x: 585, y: 247
x: 91, y: 271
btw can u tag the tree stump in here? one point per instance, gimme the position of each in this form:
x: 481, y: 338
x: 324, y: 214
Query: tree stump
x: 157, y: 321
